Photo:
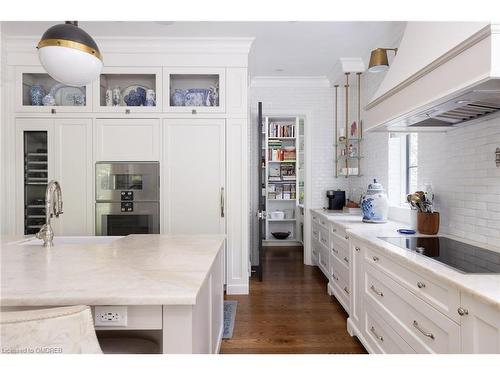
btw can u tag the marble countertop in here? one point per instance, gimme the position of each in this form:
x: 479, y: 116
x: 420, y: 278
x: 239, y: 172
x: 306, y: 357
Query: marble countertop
x: 133, y: 270
x: 485, y: 287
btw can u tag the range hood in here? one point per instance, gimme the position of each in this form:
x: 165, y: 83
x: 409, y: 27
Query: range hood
x: 445, y: 75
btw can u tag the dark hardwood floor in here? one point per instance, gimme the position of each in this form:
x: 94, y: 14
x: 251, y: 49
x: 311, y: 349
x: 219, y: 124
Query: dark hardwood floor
x: 290, y: 311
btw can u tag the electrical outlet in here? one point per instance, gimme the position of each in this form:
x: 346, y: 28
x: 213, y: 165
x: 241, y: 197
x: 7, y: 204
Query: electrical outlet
x: 110, y: 316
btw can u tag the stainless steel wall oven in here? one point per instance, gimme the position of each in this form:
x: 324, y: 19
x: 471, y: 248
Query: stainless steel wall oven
x: 127, y: 198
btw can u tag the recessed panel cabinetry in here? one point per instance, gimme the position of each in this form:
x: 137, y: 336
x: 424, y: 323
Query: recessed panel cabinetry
x: 194, y: 176
x: 58, y: 149
x: 195, y: 90
x: 127, y: 140
x: 128, y: 90
x: 36, y: 91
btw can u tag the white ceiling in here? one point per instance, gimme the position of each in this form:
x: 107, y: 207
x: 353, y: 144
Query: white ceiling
x: 280, y: 48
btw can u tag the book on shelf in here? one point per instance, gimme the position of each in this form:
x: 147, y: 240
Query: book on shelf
x: 281, y: 130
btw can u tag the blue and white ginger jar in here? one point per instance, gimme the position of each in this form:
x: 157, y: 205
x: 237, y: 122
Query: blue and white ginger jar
x: 375, y: 204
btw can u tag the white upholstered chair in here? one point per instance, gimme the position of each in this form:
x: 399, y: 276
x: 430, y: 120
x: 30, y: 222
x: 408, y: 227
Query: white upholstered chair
x: 66, y: 330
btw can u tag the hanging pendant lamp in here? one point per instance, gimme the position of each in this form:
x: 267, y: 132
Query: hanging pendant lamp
x: 69, y: 54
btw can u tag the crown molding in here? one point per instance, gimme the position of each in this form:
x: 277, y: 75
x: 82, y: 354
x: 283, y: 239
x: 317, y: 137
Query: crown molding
x: 290, y: 81
x: 167, y: 45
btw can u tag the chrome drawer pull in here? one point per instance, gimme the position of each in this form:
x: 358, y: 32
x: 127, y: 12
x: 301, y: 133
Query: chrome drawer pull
x: 375, y: 258
x: 346, y: 260
x: 334, y: 250
x: 346, y: 290
x: 315, y: 233
x: 381, y: 338
x: 346, y: 237
x: 334, y: 230
x: 335, y: 277
x: 426, y: 334
x: 376, y: 291
x: 420, y: 285
x: 357, y: 248
x: 462, y: 311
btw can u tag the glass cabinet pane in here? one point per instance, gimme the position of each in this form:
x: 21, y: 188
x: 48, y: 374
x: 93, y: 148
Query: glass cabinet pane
x: 40, y: 89
x: 127, y: 90
x: 194, y: 90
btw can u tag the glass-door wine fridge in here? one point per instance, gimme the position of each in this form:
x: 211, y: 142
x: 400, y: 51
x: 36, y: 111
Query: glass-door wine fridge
x: 35, y: 179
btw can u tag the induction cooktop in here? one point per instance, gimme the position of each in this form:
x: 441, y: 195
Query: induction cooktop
x: 458, y: 255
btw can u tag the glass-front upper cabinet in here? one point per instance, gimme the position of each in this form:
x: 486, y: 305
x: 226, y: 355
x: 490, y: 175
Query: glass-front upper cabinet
x: 128, y: 90
x: 194, y: 90
x: 36, y: 91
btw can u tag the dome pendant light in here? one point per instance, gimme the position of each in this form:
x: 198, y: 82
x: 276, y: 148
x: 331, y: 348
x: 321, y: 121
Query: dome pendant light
x: 69, y: 54
x: 378, y: 60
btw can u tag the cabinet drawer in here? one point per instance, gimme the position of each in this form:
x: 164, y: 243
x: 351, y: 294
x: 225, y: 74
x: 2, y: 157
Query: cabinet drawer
x: 424, y: 328
x: 341, y: 251
x: 323, y: 222
x: 438, y: 295
x: 323, y: 237
x: 339, y: 269
x: 315, y: 231
x: 340, y: 233
x: 315, y: 251
x: 381, y: 337
x: 341, y: 292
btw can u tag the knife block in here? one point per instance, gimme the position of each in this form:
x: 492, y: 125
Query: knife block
x: 428, y: 222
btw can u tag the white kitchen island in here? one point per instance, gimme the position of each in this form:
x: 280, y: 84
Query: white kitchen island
x: 168, y: 285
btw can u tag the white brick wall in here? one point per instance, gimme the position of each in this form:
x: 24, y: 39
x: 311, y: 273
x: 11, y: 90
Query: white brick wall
x: 460, y: 165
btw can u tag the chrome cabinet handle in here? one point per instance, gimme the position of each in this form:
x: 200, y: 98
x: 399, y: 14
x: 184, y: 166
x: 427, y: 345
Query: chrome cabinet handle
x: 375, y: 258
x: 346, y: 237
x: 335, y: 250
x: 315, y: 233
x: 376, y: 291
x: 221, y: 202
x: 381, y: 338
x: 426, y: 334
x: 346, y: 259
x: 357, y: 248
x: 421, y: 285
x: 335, y: 277
x: 462, y: 311
x: 346, y: 290
x: 334, y: 230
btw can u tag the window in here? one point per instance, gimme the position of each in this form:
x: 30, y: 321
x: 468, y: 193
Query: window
x: 403, y: 167
x: 411, y: 163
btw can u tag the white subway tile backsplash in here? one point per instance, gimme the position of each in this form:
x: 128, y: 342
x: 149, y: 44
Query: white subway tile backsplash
x: 460, y: 165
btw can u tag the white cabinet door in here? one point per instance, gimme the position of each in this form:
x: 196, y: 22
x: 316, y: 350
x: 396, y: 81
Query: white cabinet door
x: 480, y: 327
x: 127, y: 140
x: 73, y: 170
x: 193, y: 176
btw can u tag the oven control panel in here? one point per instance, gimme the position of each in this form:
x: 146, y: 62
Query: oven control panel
x: 127, y: 195
x: 127, y: 207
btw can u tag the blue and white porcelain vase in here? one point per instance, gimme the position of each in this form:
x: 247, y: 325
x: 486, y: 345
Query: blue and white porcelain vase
x: 150, y: 98
x: 37, y: 93
x: 375, y: 204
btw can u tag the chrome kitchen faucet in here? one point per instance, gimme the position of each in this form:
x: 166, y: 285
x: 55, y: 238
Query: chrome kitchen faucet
x: 53, y: 206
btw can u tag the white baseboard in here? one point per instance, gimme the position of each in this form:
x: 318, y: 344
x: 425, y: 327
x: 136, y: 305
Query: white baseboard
x: 219, y: 339
x: 237, y: 289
